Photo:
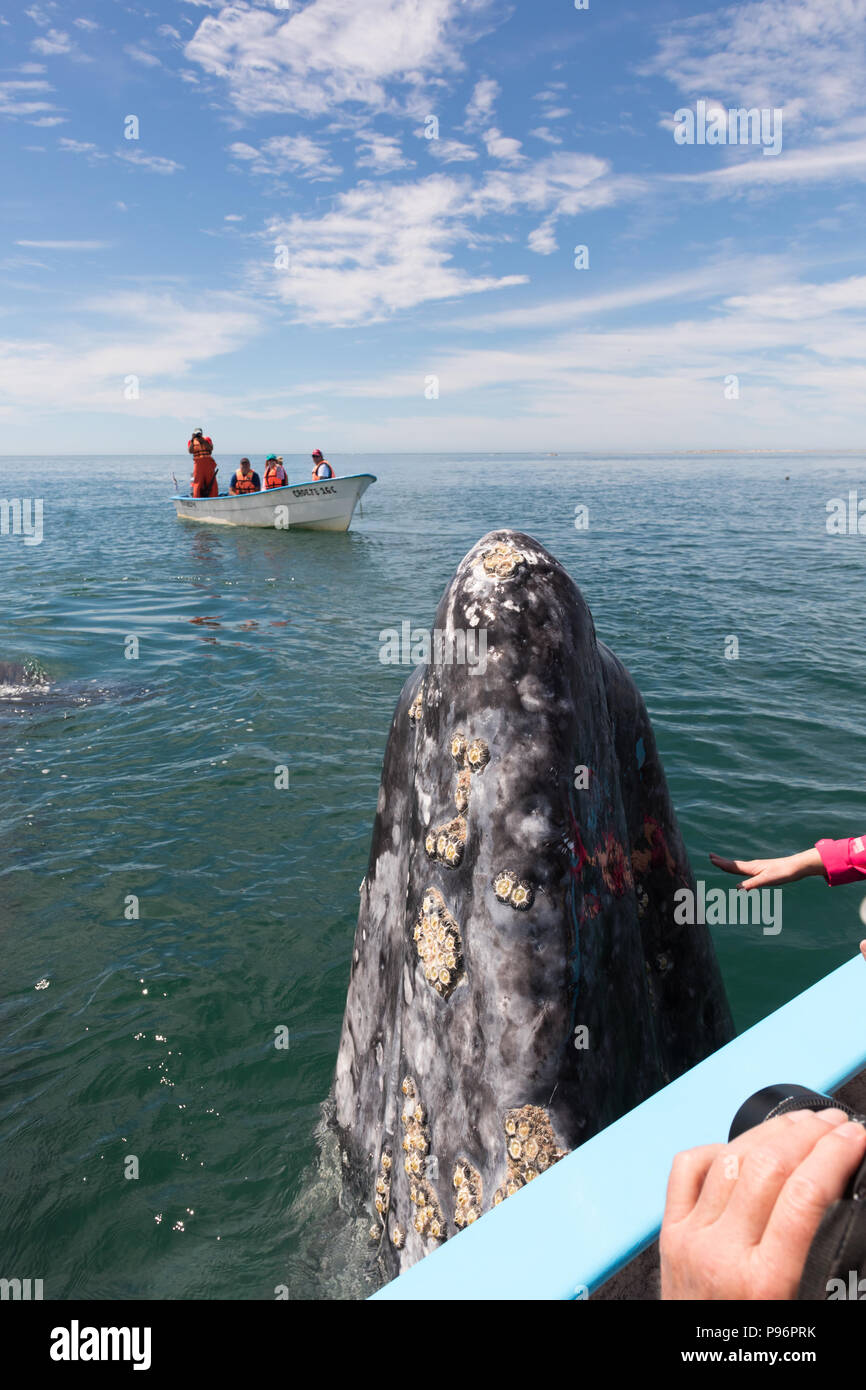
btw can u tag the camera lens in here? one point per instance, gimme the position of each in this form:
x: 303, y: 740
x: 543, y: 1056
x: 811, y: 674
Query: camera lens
x: 778, y: 1100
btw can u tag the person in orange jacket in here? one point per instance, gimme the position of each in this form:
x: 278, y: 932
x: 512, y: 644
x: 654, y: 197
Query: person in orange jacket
x: 245, y: 480
x: 275, y: 473
x: 204, y: 469
x: 322, y: 470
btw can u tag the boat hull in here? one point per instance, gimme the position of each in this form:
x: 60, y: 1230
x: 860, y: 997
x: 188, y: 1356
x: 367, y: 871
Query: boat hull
x: 324, y: 506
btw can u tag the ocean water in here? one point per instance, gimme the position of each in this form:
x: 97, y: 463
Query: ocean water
x: 164, y: 908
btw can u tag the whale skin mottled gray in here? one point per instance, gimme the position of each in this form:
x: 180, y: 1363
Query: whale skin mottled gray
x: 518, y: 981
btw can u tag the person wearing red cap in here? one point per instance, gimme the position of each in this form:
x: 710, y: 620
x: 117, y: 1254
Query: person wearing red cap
x: 321, y: 468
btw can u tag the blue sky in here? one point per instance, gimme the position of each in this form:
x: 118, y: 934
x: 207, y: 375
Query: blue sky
x: 284, y: 257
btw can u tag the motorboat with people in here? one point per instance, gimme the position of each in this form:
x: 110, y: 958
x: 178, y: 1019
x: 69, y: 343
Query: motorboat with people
x: 325, y: 503
x: 327, y: 506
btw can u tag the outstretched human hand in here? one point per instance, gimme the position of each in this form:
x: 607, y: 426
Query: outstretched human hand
x: 740, y: 1217
x: 764, y: 873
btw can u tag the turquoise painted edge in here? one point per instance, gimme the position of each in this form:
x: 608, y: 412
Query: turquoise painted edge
x: 572, y: 1228
x: 343, y: 478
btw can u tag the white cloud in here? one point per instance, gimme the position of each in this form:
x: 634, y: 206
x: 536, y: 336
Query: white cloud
x: 55, y: 41
x: 705, y: 283
x: 25, y: 98
x: 844, y: 161
x: 287, y: 154
x: 66, y: 245
x: 80, y: 147
x: 542, y: 239
x: 382, y: 248
x: 452, y: 151
x: 149, y: 334
x: 88, y: 24
x: 386, y: 248
x: 329, y: 53
x: 482, y: 102
x: 234, y: 217
x: 502, y: 147
x: 153, y: 163
x: 798, y: 350
x: 541, y: 132
x: 141, y: 55
x: 807, y: 56
x: 383, y: 153
x: 562, y: 183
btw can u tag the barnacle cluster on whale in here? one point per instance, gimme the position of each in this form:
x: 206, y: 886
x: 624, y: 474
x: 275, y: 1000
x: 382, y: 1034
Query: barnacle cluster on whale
x: 447, y: 843
x: 468, y: 1189
x: 517, y: 892
x: 530, y: 1147
x: 382, y: 1200
x: 502, y: 560
x: 439, y: 944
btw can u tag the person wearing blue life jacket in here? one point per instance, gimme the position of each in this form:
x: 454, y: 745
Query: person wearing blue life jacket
x: 322, y: 470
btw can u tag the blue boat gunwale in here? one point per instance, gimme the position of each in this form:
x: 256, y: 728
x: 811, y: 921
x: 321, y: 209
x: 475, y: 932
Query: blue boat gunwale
x: 570, y: 1230
x: 242, y: 496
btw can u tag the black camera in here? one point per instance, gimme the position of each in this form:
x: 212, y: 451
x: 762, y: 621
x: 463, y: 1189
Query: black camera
x: 766, y: 1104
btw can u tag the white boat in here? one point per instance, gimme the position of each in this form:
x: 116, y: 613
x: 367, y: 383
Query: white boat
x: 325, y: 506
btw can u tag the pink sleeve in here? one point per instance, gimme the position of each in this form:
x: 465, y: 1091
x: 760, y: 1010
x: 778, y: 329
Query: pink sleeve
x: 844, y: 860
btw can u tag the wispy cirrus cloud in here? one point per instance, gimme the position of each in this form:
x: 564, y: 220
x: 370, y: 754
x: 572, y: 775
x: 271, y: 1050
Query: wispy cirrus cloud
x: 153, y: 335
x: 298, y: 154
x: 139, y: 54
x: 482, y: 102
x: 67, y: 245
x: 26, y: 97
x: 807, y: 56
x: 151, y: 163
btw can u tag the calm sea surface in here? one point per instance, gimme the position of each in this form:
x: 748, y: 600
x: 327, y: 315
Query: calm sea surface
x: 152, y: 779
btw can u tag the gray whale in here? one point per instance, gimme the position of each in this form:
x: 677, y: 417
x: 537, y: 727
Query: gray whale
x: 518, y: 981
x: 25, y: 686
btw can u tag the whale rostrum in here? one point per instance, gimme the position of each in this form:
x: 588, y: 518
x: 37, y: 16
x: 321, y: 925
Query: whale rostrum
x: 518, y: 980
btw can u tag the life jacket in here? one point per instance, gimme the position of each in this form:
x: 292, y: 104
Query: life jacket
x: 242, y: 483
x: 200, y: 444
x: 317, y: 476
x: 275, y: 475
